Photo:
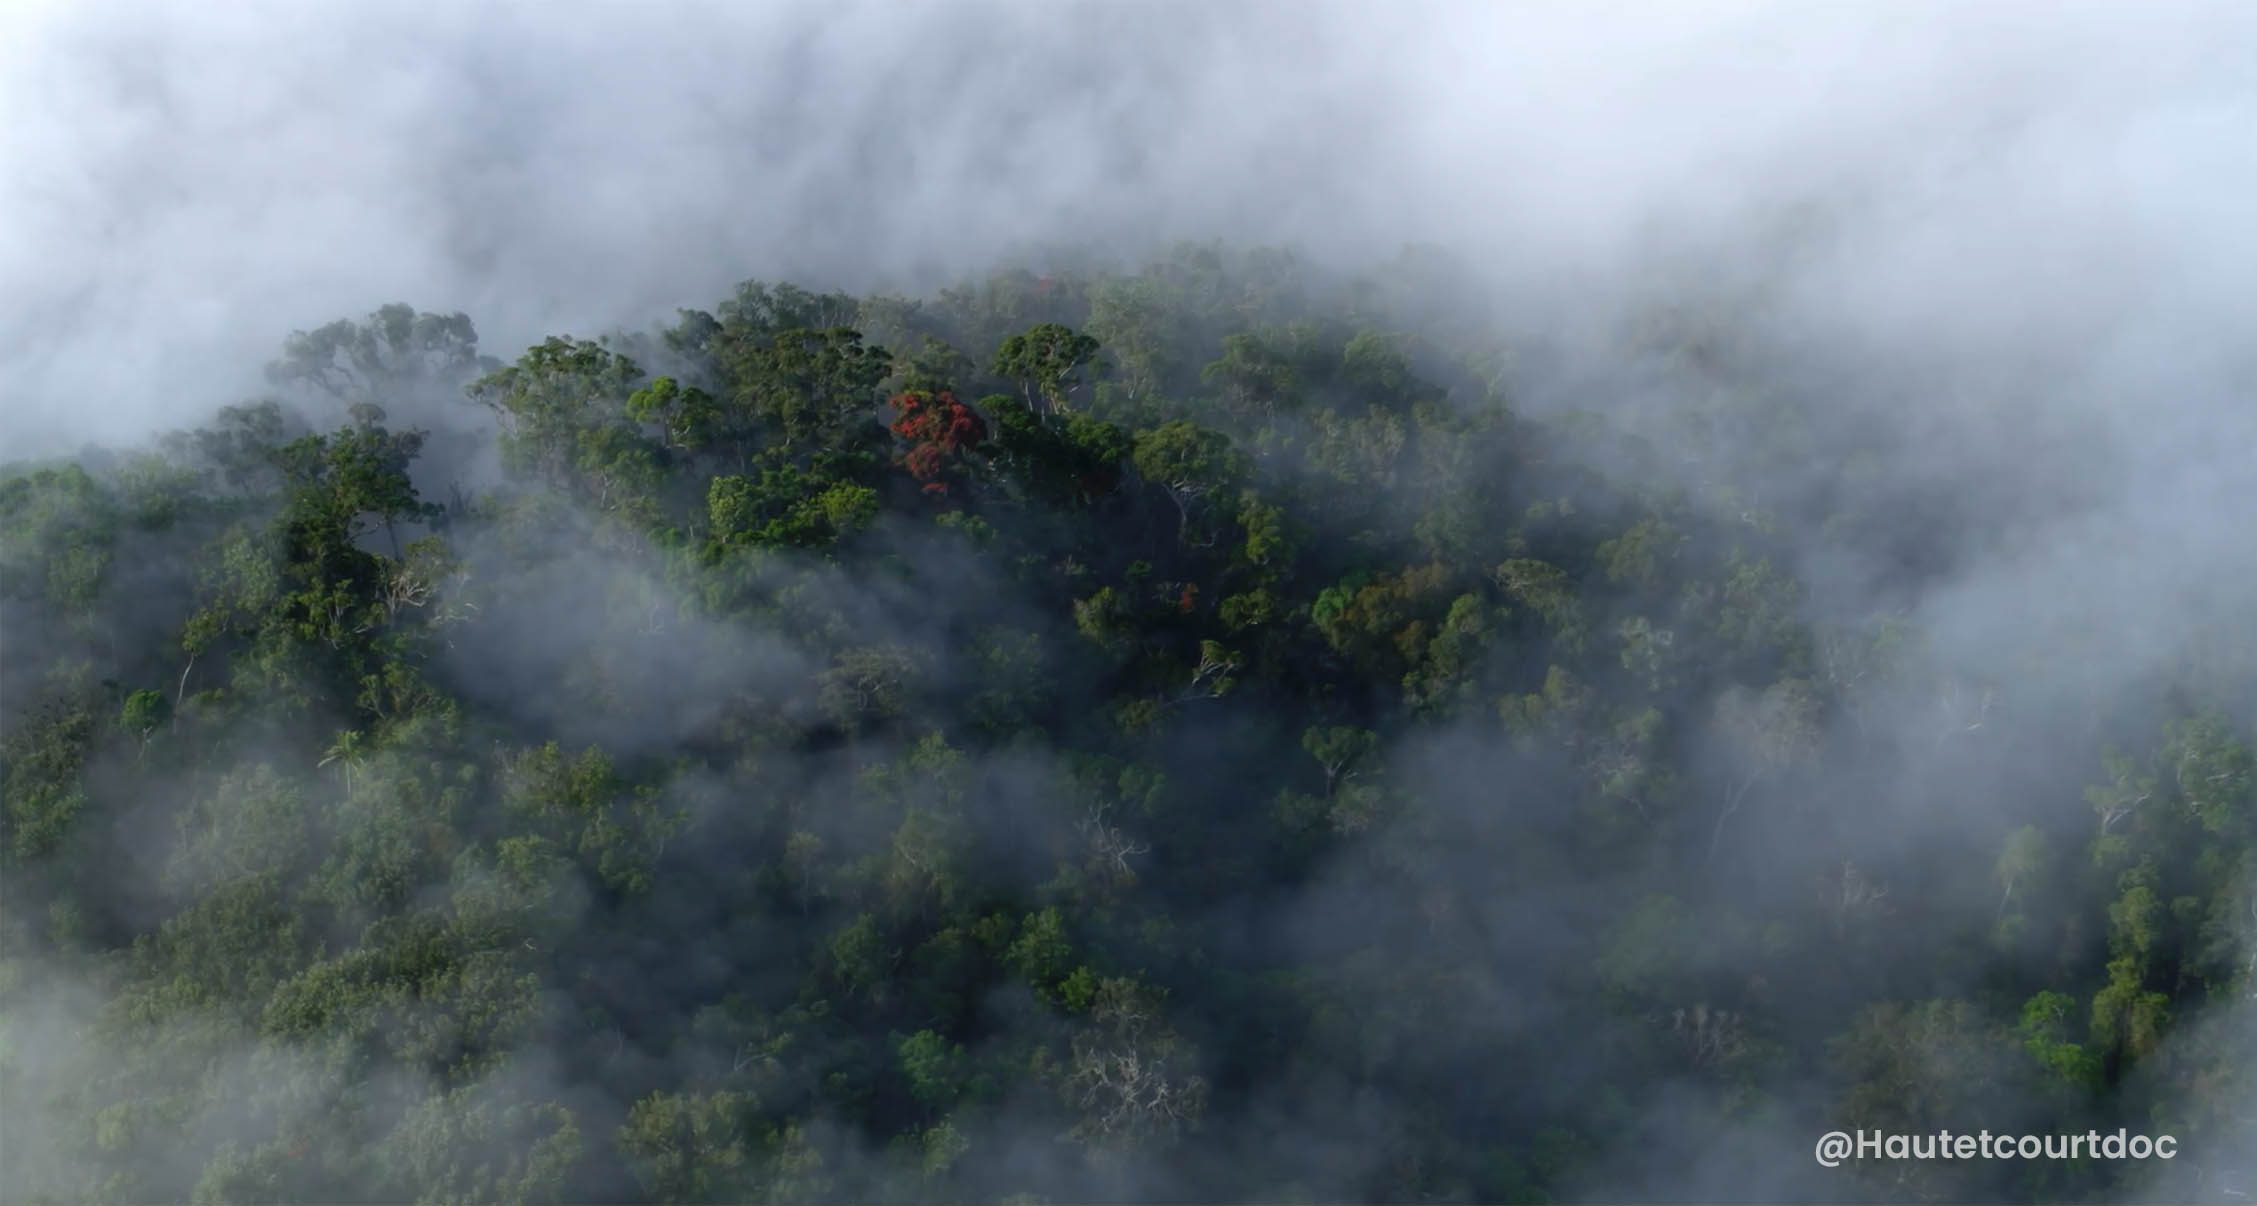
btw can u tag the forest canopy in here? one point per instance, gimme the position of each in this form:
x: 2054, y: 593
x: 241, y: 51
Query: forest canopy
x: 1193, y: 732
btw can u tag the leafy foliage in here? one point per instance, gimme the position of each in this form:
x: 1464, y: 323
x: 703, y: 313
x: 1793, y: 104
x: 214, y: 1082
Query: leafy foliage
x: 701, y: 813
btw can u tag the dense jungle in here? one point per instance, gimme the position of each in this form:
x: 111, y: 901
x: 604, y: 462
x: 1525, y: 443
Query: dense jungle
x: 1209, y: 728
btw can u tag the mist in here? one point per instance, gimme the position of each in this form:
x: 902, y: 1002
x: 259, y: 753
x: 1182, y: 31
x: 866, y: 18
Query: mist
x: 1982, y: 268
x: 185, y: 183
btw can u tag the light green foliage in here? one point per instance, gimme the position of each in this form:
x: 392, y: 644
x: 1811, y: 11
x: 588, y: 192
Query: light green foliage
x: 937, y: 1069
x: 704, y: 810
x: 864, y: 965
x: 1360, y: 455
x: 615, y: 828
x: 1550, y: 713
x: 1755, y: 613
x: 1254, y: 607
x: 1372, y: 362
x: 40, y: 783
x: 1047, y: 360
x: 1041, y: 953
x: 1645, y: 955
x: 786, y: 506
x: 1138, y: 321
x: 694, y: 1147
x: 2214, y: 770
x: 392, y: 352
x: 1639, y: 556
x: 554, y: 403
x: 1337, y: 749
x: 479, y: 1145
x: 1268, y: 547
x: 1546, y: 592
x: 1105, y: 617
x: 2045, y: 1030
x: 1255, y: 376
x: 691, y: 417
x: 57, y: 526
x: 1191, y: 463
x: 253, y: 822
x: 2022, y: 861
x: 817, y: 389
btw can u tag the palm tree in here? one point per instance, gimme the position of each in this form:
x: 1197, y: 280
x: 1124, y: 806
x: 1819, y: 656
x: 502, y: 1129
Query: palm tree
x: 348, y: 751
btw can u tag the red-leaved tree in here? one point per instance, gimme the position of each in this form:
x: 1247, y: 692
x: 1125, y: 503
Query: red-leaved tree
x: 939, y: 431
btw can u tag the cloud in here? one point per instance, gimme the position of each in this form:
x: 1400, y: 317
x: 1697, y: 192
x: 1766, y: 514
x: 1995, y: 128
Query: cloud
x: 2013, y: 230
x: 183, y: 185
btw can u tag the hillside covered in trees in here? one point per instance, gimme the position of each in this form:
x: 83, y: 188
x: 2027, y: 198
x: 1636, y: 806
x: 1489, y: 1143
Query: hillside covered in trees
x: 1216, y: 731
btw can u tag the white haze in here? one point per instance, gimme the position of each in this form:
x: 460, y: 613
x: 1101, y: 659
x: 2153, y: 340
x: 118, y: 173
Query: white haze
x: 2021, y: 217
x: 181, y: 184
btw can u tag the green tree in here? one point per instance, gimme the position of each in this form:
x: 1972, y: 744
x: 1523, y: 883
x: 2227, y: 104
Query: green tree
x: 817, y: 390
x: 144, y: 713
x: 1047, y: 360
x: 704, y: 1147
x: 392, y: 352
x: 348, y: 751
x: 2023, y: 859
x: 1190, y: 463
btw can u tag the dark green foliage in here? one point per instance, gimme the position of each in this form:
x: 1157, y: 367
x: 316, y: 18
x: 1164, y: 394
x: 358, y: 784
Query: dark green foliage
x: 1238, y: 758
